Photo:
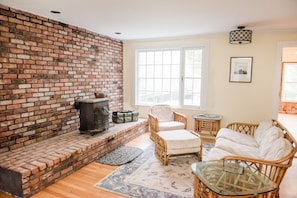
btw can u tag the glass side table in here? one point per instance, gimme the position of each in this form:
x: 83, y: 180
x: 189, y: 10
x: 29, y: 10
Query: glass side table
x: 207, y: 126
x: 225, y: 178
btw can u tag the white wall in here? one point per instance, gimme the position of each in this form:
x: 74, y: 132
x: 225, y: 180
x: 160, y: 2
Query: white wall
x: 245, y: 102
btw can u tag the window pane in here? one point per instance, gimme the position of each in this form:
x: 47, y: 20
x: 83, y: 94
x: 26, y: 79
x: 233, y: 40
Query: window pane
x: 290, y: 92
x: 142, y: 84
x: 150, y: 71
x: 167, y: 57
x: 158, y: 71
x: 158, y: 57
x: 175, y: 85
x: 196, y: 85
x: 158, y: 82
x: 175, y: 71
x: 142, y: 71
x: 290, y: 73
x: 196, y: 100
x: 166, y: 71
x: 166, y: 85
x: 150, y: 85
x: 150, y: 58
x: 149, y: 97
x: 175, y: 57
x: 175, y: 98
x: 188, y: 85
x: 142, y: 58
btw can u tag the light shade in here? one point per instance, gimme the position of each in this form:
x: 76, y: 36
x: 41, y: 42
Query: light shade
x: 240, y: 36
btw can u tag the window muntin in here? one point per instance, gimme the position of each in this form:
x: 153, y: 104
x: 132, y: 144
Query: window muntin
x: 171, y: 76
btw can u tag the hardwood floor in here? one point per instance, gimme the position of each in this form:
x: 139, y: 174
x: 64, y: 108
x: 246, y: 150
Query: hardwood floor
x: 81, y: 183
x: 290, y: 122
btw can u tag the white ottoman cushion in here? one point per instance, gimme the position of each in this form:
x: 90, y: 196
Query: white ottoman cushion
x: 180, y: 141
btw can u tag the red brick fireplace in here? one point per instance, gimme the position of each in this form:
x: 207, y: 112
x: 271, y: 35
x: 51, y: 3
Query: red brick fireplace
x: 45, y: 65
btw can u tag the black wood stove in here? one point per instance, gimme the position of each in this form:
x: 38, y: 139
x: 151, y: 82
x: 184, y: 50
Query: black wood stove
x: 94, y: 115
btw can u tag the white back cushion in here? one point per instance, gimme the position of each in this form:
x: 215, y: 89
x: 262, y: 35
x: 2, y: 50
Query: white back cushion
x: 279, y: 149
x: 261, y: 130
x: 269, y: 138
x: 163, y: 112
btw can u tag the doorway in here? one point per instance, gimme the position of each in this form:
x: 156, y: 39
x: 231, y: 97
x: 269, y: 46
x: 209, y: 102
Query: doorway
x: 286, y: 111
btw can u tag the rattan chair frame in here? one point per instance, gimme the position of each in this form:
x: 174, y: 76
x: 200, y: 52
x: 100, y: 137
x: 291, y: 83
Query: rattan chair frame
x: 274, y: 170
x: 154, y: 123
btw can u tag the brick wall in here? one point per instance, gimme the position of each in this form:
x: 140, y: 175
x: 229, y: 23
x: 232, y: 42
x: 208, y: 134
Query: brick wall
x: 44, y: 66
x: 288, y: 107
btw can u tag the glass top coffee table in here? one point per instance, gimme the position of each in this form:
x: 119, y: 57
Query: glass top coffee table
x: 226, y: 178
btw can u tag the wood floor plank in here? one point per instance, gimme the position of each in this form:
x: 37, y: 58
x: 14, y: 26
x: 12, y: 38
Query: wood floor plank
x: 44, y: 193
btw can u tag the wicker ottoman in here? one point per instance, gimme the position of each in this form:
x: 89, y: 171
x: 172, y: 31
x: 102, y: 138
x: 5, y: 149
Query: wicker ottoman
x: 175, y: 143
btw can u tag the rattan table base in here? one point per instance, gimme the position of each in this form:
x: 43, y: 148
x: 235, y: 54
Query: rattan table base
x: 202, y: 191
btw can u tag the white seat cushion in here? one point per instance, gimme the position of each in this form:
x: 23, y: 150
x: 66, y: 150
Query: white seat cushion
x: 217, y: 154
x: 234, y: 136
x: 172, y: 125
x: 180, y: 141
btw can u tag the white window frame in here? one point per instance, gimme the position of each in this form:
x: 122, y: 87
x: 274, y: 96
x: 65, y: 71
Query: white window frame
x: 204, y: 74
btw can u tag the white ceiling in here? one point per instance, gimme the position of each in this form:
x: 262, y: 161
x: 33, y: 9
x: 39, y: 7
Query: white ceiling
x: 154, y: 19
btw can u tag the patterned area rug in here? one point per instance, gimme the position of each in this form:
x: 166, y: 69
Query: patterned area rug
x: 146, y: 177
x: 121, y: 155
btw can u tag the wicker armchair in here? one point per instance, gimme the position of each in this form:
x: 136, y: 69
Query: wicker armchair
x: 163, y: 118
x: 275, y: 170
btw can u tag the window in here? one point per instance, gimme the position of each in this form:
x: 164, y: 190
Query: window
x: 175, y: 76
x: 289, y: 82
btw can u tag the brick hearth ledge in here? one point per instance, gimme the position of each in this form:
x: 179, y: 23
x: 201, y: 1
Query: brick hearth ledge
x: 27, y: 170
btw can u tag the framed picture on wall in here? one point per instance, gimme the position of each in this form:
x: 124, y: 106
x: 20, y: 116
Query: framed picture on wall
x: 241, y: 69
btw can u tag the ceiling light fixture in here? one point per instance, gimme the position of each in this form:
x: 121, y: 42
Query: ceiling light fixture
x: 240, y: 36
